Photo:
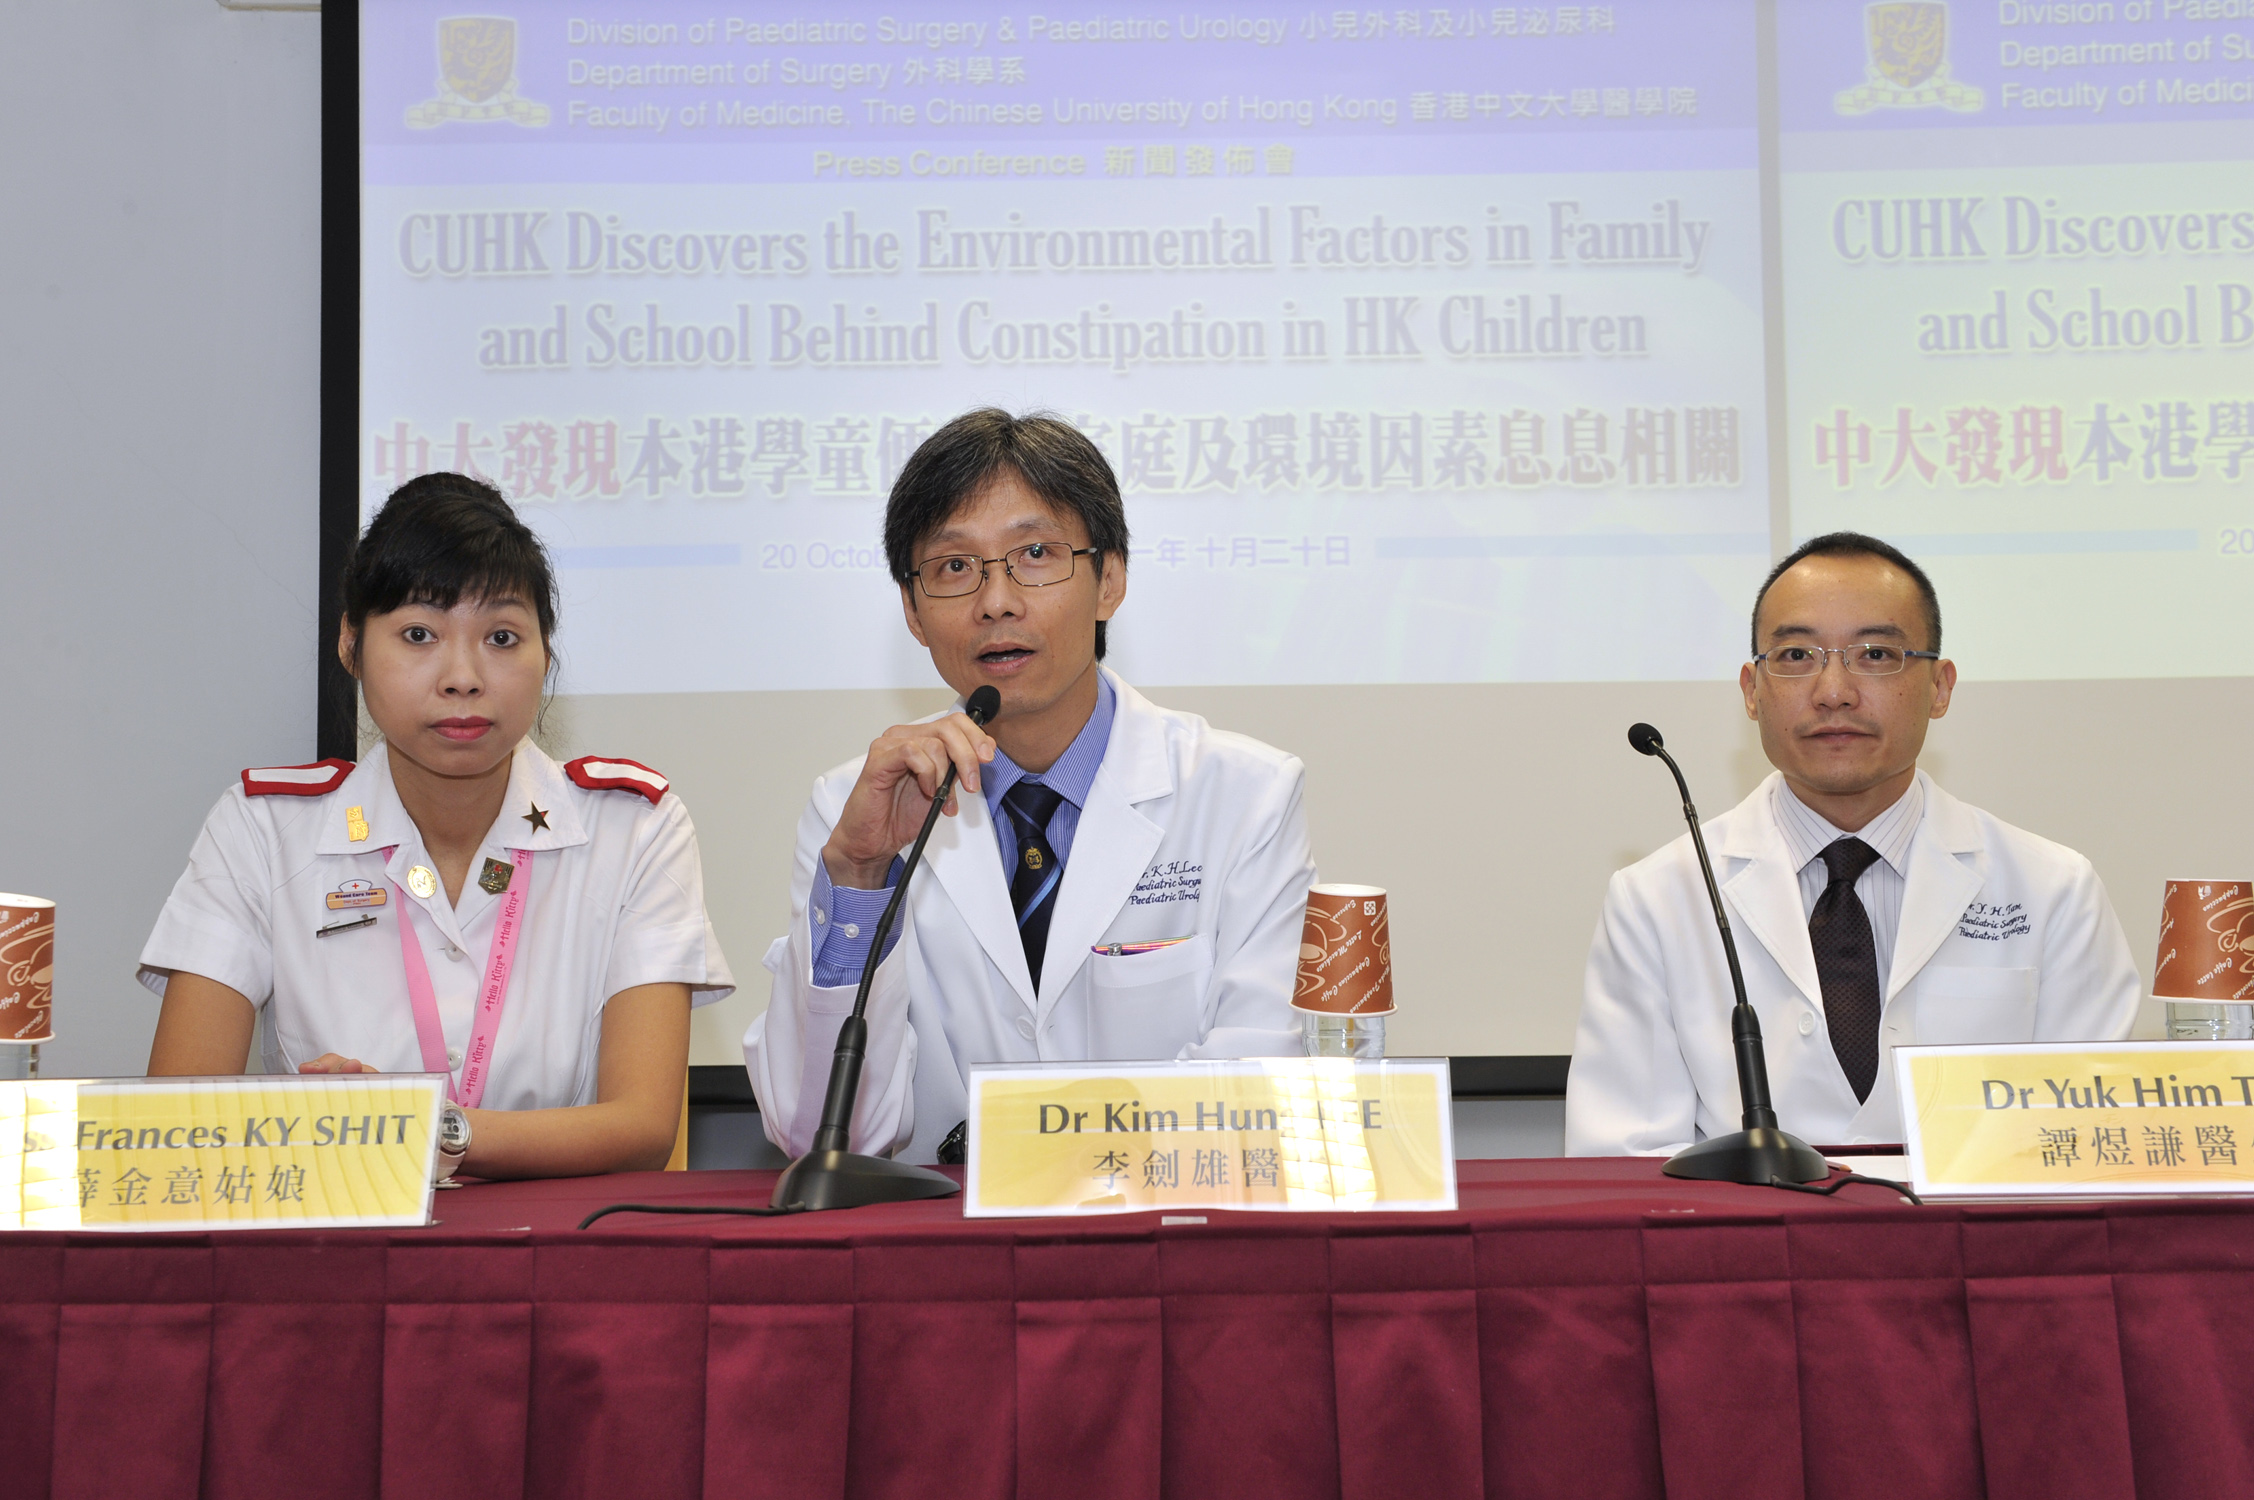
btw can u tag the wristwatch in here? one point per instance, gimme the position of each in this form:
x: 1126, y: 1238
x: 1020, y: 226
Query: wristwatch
x: 453, y: 1142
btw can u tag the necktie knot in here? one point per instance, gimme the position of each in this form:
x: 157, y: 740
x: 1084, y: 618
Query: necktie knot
x: 1847, y: 859
x: 1032, y: 804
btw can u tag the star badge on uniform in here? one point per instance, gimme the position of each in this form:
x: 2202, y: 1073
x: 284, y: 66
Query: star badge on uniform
x: 537, y: 818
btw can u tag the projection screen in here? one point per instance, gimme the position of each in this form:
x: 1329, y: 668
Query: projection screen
x: 1476, y: 359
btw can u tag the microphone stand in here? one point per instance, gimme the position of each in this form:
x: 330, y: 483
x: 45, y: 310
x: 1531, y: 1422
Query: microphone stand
x: 828, y: 1175
x: 1761, y: 1153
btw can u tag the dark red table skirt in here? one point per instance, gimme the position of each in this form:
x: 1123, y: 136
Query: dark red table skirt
x: 1579, y: 1328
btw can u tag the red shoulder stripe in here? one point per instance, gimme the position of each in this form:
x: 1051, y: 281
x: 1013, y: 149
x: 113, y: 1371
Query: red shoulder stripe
x: 315, y: 780
x: 603, y: 773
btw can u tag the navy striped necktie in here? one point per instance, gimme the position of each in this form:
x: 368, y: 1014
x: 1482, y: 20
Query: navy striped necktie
x: 1036, y: 872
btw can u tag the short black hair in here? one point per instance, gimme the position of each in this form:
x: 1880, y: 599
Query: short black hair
x: 442, y: 538
x: 952, y: 466
x: 1855, y: 544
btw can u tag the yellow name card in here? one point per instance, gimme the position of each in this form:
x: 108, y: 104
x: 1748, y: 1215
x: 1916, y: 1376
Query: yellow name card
x: 1288, y: 1133
x: 2096, y: 1119
x: 315, y: 1151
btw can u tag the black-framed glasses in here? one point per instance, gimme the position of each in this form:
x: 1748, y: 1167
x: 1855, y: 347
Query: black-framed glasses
x: 1864, y: 659
x: 1035, y: 565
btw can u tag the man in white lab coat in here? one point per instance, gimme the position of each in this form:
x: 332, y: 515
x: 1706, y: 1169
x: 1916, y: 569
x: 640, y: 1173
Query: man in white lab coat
x: 1112, y: 879
x: 1871, y: 908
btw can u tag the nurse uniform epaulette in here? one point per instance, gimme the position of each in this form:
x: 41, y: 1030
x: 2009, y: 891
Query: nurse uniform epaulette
x: 315, y: 780
x: 607, y: 773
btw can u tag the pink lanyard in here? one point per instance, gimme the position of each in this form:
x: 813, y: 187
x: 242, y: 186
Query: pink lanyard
x: 491, y: 1000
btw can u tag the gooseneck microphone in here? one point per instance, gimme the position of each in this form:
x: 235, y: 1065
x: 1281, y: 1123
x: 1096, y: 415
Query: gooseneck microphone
x: 1761, y: 1153
x: 828, y: 1175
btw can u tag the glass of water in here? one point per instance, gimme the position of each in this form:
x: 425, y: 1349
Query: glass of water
x: 1343, y: 1036
x: 2190, y: 1021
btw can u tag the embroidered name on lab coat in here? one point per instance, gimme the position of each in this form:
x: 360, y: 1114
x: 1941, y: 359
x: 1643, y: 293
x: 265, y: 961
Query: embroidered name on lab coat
x: 1174, y: 880
x: 1992, y: 922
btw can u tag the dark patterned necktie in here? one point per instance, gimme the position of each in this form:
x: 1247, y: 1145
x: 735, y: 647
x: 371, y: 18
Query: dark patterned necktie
x: 1036, y: 872
x: 1839, y: 929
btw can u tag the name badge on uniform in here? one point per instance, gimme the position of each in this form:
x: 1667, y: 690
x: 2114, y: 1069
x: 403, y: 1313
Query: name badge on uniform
x: 357, y: 893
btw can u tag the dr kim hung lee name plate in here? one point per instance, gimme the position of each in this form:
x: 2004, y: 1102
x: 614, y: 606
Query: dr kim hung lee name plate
x: 315, y: 1151
x: 2051, y: 1119
x: 1301, y: 1133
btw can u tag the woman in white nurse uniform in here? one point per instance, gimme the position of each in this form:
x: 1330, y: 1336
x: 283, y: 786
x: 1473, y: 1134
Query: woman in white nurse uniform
x: 458, y: 902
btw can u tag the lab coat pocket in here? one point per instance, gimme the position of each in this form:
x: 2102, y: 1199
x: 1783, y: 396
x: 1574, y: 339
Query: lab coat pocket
x: 1148, y: 1005
x: 1963, y: 1005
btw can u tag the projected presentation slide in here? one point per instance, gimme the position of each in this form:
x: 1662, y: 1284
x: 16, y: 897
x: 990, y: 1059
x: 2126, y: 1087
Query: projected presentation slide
x: 1426, y: 343
x: 2018, y: 261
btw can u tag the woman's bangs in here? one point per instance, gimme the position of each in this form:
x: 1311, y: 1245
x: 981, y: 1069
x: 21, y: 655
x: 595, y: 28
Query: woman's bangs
x: 480, y: 575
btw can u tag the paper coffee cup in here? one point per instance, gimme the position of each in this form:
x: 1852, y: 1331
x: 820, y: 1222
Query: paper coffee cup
x: 27, y: 968
x: 1345, y: 953
x: 2205, y: 930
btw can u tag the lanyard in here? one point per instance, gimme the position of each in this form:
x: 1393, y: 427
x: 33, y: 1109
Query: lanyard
x: 491, y: 999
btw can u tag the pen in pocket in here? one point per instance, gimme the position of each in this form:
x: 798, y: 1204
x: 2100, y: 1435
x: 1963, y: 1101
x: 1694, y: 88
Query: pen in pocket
x: 1116, y: 949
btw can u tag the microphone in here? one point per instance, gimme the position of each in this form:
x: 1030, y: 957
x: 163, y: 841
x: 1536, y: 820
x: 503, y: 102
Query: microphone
x: 1761, y: 1153
x: 828, y: 1175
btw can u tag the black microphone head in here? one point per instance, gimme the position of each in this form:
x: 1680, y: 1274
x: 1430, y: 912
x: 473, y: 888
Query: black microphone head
x: 1645, y: 738
x: 984, y: 704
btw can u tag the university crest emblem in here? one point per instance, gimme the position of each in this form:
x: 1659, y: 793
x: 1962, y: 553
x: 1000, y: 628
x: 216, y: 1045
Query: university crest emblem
x: 477, y: 76
x: 1909, y: 62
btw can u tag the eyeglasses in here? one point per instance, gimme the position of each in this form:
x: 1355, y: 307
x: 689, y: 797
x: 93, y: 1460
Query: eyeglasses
x: 1035, y: 566
x: 1864, y: 659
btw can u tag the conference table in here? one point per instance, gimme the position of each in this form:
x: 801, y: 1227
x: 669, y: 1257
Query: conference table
x: 1583, y: 1328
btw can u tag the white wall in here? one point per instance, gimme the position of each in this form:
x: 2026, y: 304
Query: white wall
x: 160, y: 277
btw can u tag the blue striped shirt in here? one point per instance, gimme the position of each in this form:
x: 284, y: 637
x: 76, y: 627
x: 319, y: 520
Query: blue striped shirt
x: 844, y: 918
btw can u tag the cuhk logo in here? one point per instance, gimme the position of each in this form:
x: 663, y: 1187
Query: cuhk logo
x: 1909, y: 62
x: 477, y: 76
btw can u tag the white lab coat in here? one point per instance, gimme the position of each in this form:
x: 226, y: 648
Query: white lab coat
x: 1189, y: 832
x: 2004, y: 937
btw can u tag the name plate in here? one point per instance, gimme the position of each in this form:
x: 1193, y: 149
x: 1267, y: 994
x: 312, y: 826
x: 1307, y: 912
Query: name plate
x: 1277, y: 1133
x: 2049, y: 1119
x: 312, y: 1151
